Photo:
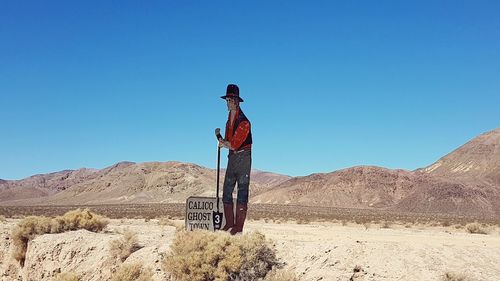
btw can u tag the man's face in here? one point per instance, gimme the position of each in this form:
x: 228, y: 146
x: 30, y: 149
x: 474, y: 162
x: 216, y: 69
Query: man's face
x: 232, y: 104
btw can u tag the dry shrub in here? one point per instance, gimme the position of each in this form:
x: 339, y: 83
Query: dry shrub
x: 32, y: 226
x: 303, y: 221
x: 476, y: 228
x: 132, y: 272
x: 66, y: 276
x: 435, y: 223
x: 168, y: 222
x: 82, y: 219
x: 164, y: 221
x: 452, y: 276
x: 446, y: 223
x: 3, y: 219
x: 281, y: 275
x: 361, y: 220
x: 122, y: 248
x: 386, y: 224
x: 203, y: 255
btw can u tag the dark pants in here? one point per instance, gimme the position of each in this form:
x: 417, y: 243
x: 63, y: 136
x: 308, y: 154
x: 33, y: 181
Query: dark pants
x: 238, y: 171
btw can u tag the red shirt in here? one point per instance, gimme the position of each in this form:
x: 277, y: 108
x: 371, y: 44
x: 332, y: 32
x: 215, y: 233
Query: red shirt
x: 239, y: 135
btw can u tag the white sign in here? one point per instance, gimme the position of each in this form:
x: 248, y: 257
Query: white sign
x: 200, y: 213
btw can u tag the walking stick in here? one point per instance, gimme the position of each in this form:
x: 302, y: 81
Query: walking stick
x: 217, y: 216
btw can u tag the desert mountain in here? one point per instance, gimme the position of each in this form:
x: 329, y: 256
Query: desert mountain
x: 477, y: 160
x: 357, y: 187
x: 464, y: 182
x: 43, y: 185
x: 124, y: 182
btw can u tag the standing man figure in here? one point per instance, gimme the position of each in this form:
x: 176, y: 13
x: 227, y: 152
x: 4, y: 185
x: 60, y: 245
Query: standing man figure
x: 238, y: 139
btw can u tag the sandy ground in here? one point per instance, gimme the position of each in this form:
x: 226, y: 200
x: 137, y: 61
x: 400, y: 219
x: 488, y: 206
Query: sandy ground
x: 326, y: 251
x: 330, y: 251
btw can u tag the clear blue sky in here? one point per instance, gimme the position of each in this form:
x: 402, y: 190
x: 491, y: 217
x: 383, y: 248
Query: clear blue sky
x: 327, y: 84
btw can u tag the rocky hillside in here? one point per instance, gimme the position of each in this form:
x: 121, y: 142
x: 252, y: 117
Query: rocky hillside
x: 464, y: 182
x: 43, y: 185
x: 124, y: 182
x: 357, y: 187
x: 476, y: 161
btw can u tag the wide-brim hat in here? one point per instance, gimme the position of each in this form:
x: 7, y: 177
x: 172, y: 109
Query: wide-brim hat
x: 232, y: 91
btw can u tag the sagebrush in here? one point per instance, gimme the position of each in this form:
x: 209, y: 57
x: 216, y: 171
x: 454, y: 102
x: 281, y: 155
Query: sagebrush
x: 281, y: 275
x: 132, y: 272
x: 169, y: 222
x: 31, y: 226
x: 476, y: 228
x: 453, y: 276
x: 66, y: 276
x: 122, y: 248
x: 203, y: 255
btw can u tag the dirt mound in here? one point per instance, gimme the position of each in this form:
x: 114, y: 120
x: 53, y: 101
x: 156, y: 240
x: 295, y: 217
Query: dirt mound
x: 80, y: 252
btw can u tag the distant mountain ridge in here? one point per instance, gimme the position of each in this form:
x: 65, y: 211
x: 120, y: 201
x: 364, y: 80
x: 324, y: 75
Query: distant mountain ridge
x: 464, y: 182
x: 124, y: 182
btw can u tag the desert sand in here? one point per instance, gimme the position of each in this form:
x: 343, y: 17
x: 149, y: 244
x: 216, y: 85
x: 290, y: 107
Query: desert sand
x: 314, y: 251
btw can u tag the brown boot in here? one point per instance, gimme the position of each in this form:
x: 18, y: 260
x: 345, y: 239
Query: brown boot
x: 241, y: 214
x: 228, y: 212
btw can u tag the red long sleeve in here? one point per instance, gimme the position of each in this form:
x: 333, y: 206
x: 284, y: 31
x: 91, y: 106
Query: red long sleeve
x: 240, y: 135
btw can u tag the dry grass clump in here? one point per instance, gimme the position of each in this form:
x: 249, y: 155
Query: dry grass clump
x: 165, y: 221
x: 32, y: 226
x: 122, y: 248
x: 281, y: 275
x: 303, y: 221
x: 81, y: 219
x: 386, y: 224
x: 203, y: 255
x: 2, y: 219
x: 446, y: 223
x: 66, y: 276
x: 452, y: 276
x: 476, y: 228
x: 132, y: 272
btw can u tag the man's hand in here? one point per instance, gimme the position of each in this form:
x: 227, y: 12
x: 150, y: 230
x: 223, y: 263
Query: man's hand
x: 224, y: 143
